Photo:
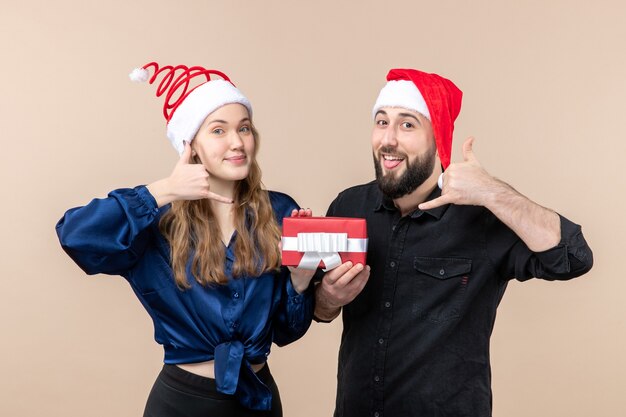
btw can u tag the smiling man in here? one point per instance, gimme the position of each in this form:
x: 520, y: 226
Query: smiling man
x: 417, y: 320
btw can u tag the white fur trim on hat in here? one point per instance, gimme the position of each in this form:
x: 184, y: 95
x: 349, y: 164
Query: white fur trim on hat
x: 401, y: 93
x: 201, y: 102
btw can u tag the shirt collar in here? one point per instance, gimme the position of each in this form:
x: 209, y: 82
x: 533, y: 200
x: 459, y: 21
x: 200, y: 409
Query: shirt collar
x: 385, y: 202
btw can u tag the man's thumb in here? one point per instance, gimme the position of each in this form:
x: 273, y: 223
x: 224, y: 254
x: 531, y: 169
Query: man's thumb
x: 468, y: 152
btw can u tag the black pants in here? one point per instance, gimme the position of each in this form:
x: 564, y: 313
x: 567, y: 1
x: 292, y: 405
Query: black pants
x: 178, y: 393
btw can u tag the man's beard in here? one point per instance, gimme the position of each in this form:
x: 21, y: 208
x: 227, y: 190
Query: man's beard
x: 415, y: 174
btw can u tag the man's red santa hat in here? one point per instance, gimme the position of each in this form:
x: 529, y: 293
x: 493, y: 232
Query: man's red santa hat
x: 190, y: 96
x: 431, y: 95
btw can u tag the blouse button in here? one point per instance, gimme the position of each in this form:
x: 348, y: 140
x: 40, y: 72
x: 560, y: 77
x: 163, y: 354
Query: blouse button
x: 442, y: 272
x: 236, y: 295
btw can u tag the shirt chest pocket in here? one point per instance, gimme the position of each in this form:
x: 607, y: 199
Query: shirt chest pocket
x: 438, y: 287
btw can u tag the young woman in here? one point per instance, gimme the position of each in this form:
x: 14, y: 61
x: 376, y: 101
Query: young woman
x: 200, y: 250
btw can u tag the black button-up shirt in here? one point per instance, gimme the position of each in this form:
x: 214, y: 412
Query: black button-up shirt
x: 416, y: 340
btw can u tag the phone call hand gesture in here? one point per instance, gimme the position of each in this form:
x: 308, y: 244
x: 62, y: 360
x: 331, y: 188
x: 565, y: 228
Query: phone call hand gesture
x: 188, y: 181
x: 465, y: 183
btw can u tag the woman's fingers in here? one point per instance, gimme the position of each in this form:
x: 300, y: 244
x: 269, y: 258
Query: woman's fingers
x: 220, y: 198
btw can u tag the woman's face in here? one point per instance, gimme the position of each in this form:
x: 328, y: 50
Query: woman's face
x: 225, y: 143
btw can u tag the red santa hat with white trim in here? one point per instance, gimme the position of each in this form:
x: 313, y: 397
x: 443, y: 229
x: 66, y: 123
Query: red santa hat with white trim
x: 431, y: 95
x: 190, y: 96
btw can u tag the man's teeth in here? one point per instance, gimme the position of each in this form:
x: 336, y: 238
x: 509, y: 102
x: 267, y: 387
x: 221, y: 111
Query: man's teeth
x: 392, y: 158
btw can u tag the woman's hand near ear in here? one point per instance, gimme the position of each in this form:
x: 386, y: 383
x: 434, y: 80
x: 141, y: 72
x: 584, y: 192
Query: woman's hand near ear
x: 188, y: 181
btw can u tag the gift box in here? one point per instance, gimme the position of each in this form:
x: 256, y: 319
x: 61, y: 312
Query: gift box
x: 325, y: 242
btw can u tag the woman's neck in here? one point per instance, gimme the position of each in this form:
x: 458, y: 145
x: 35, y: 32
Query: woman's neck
x: 225, y: 188
x: 224, y: 213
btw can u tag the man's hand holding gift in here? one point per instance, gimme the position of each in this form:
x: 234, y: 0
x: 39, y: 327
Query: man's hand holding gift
x: 339, y: 245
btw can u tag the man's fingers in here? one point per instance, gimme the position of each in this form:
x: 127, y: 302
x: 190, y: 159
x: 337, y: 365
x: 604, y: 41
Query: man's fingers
x: 345, y: 282
x: 359, y: 281
x: 468, y: 151
x: 437, y: 202
x: 346, y: 291
x: 294, y: 213
x: 332, y: 276
x: 220, y: 198
x: 347, y: 277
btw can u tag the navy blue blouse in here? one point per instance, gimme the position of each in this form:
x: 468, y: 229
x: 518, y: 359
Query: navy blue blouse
x: 233, y: 324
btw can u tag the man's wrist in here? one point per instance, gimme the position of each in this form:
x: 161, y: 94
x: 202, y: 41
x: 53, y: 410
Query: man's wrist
x: 500, y: 194
x: 325, y: 311
x: 325, y: 316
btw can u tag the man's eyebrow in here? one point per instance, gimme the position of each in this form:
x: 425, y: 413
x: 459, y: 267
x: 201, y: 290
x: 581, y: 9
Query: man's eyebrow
x: 380, y: 112
x: 411, y: 116
x: 384, y: 113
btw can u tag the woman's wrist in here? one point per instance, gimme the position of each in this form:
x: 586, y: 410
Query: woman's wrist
x: 298, y: 285
x: 300, y: 279
x: 160, y: 190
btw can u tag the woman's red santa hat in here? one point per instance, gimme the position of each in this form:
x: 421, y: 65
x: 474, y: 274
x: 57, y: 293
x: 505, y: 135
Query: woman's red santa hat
x: 187, y: 106
x: 431, y: 95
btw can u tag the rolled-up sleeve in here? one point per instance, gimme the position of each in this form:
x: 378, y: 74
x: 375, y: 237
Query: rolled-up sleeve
x: 571, y: 258
x: 108, y: 235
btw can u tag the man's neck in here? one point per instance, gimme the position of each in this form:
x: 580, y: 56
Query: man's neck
x: 408, y: 203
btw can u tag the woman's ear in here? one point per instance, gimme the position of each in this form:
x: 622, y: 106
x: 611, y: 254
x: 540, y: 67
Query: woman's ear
x: 195, y: 158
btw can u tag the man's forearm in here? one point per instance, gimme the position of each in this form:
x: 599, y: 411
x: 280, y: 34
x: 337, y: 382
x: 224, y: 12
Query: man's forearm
x: 537, y: 226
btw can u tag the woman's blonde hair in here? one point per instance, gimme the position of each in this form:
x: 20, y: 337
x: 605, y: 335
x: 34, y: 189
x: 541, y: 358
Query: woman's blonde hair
x: 190, y: 227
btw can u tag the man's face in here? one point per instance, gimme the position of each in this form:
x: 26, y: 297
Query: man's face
x: 404, y: 150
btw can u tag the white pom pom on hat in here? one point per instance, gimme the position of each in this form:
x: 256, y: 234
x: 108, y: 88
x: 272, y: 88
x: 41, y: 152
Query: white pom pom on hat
x: 139, y: 75
x: 186, y: 107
